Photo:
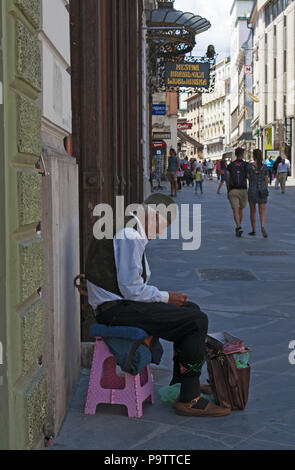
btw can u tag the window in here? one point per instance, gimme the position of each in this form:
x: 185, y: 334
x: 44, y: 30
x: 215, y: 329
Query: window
x: 275, y: 110
x: 285, y: 61
x: 265, y: 74
x: 268, y: 15
x: 275, y: 9
x: 281, y: 6
x: 265, y: 114
x: 275, y: 68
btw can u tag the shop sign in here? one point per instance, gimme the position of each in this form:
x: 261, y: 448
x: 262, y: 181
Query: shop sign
x: 188, y: 75
x: 184, y: 126
x: 162, y: 135
x: 159, y: 144
x: 274, y: 154
x: 288, y: 132
x: 159, y: 109
x: 268, y: 138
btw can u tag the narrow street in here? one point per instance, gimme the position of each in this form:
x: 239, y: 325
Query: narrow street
x: 249, y: 292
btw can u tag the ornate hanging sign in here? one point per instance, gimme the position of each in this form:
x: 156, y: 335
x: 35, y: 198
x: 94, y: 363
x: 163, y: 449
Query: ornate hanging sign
x: 188, y: 75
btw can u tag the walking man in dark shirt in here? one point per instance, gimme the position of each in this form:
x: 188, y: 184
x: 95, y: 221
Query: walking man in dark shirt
x: 237, y: 188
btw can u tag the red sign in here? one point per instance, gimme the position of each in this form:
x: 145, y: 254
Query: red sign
x: 159, y: 144
x: 184, y: 126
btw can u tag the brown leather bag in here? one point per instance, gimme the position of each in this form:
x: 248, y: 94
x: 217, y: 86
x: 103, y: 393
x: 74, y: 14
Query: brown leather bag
x: 230, y: 385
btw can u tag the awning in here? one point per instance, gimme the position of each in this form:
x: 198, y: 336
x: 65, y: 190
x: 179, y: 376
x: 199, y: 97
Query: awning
x: 173, y: 30
x: 186, y: 138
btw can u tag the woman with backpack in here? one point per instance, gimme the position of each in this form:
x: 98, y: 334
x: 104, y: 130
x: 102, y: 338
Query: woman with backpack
x: 223, y: 172
x: 258, y: 191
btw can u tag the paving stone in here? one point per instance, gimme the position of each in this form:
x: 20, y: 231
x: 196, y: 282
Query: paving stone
x: 268, y: 253
x: 226, y: 275
x: 179, y: 438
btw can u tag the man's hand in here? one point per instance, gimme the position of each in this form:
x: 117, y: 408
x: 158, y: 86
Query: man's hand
x: 177, y: 299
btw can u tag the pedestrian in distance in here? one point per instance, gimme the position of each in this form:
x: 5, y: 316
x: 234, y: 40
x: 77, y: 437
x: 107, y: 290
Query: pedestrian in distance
x: 205, y: 168
x: 258, y: 176
x: 196, y: 166
x: 199, y: 181
x: 223, y: 173
x: 275, y: 171
x: 188, y: 173
x: 218, y: 169
x: 173, y: 167
x: 237, y: 174
x: 269, y: 163
x: 210, y: 166
x: 179, y: 178
x: 283, y: 172
x: 185, y: 164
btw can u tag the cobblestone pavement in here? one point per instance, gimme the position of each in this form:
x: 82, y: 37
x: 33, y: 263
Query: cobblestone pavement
x: 258, y: 307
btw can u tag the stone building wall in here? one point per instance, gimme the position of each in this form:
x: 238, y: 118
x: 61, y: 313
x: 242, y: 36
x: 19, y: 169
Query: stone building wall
x: 24, y: 390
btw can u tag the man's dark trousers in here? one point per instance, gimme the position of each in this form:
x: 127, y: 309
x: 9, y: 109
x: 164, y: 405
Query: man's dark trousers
x: 185, y: 326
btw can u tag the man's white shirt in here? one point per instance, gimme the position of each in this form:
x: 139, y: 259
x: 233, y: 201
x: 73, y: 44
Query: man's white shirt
x: 129, y: 247
x: 284, y: 167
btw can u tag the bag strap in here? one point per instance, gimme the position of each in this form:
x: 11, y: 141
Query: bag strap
x: 233, y: 378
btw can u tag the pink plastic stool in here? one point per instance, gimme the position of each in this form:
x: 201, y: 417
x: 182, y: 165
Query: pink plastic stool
x: 106, y: 386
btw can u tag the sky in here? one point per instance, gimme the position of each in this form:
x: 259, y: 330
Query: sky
x: 218, y: 13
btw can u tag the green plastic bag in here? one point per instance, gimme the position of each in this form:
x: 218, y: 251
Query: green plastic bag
x: 242, y: 360
x: 171, y: 393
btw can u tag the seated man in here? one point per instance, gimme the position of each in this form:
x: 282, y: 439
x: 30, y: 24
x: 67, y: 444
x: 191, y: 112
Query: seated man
x: 117, y: 276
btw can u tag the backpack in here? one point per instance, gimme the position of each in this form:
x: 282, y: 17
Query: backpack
x: 238, y: 171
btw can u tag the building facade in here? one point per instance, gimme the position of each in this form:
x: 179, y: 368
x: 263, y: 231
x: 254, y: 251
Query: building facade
x: 195, y: 117
x: 164, y: 128
x: 273, y: 25
x: 245, y: 137
x: 240, y: 14
x: 227, y: 110
x: 215, y: 118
